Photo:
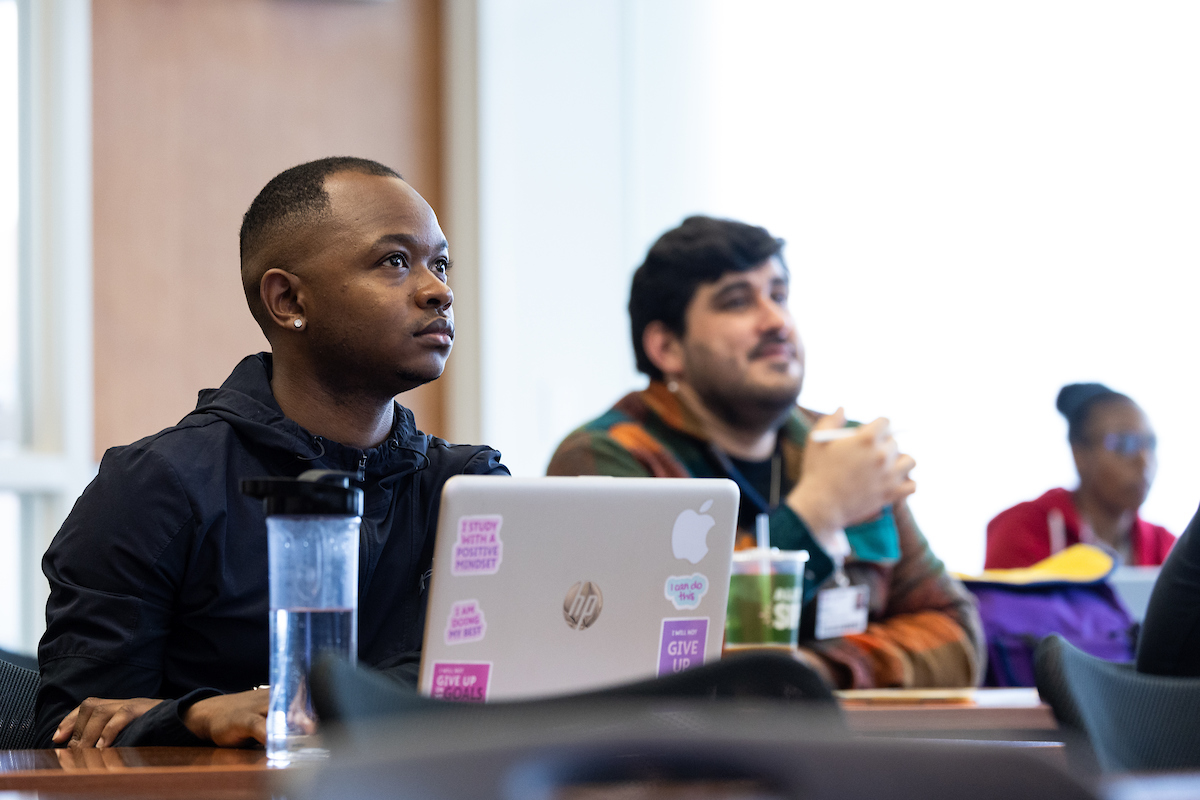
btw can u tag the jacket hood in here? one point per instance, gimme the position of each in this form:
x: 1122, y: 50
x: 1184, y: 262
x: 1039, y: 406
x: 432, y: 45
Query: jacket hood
x: 245, y: 402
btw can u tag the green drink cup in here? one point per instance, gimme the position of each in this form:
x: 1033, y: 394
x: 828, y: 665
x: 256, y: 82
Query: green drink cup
x: 766, y: 589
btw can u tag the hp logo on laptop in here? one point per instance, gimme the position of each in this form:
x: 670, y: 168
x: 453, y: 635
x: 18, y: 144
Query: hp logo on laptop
x: 582, y: 605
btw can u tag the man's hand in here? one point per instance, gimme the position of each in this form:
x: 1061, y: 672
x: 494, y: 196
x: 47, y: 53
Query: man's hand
x: 230, y: 720
x: 97, y: 721
x: 852, y: 479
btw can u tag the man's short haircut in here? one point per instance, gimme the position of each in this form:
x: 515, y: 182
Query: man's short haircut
x: 700, y: 250
x: 292, y: 199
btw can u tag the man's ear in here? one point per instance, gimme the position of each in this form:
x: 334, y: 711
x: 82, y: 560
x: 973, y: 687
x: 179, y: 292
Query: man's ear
x: 281, y: 298
x: 663, y: 348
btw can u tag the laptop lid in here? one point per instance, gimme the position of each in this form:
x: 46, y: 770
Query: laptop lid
x: 547, y: 586
x: 1134, y: 585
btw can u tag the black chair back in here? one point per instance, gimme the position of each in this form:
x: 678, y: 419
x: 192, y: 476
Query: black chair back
x: 669, y: 747
x: 759, y: 725
x: 342, y: 693
x: 1133, y: 722
x: 18, y: 693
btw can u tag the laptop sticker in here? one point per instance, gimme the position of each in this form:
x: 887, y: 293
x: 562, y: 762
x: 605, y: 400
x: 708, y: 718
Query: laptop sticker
x: 465, y: 623
x: 478, y: 549
x: 682, y: 644
x: 689, y: 537
x: 461, y: 681
x: 686, y: 591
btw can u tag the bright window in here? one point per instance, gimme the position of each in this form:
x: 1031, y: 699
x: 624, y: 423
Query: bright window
x: 983, y: 202
x: 10, y: 570
x: 45, y: 293
x: 10, y: 506
x: 9, y: 201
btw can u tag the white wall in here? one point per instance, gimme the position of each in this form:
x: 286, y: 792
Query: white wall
x: 982, y: 202
x: 590, y: 129
x: 552, y: 265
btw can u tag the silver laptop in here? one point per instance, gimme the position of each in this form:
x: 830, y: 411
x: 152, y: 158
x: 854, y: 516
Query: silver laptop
x: 546, y: 586
x: 1134, y: 585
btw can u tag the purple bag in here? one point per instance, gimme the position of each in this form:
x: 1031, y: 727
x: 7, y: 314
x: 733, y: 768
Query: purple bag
x: 1015, y: 618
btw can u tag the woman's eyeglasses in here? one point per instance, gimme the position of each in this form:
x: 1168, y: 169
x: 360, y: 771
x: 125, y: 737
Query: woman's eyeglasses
x: 1129, y: 444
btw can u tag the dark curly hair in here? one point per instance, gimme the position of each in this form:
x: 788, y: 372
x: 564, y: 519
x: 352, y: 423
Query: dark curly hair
x: 700, y: 250
x: 1077, y: 401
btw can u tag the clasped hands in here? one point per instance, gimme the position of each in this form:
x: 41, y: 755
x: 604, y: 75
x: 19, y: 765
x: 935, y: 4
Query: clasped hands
x: 227, y: 720
x: 850, y: 480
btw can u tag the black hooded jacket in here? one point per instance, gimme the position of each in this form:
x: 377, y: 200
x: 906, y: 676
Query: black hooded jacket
x: 158, y: 578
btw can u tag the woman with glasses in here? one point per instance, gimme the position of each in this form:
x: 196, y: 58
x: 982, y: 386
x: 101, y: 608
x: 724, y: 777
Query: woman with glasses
x: 1113, y: 445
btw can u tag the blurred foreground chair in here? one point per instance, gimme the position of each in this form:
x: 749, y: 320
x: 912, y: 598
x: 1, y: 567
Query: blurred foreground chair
x: 735, y: 728
x: 342, y: 693
x: 18, y: 692
x: 1132, y: 722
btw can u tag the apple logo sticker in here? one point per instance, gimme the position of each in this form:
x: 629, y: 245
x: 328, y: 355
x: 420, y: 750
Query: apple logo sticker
x: 690, y: 534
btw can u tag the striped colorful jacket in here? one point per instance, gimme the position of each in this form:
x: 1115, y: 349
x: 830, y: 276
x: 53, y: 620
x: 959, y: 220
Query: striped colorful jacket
x: 924, y: 630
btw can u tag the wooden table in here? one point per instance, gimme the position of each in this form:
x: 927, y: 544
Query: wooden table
x: 993, y: 714
x: 205, y: 773
x: 221, y: 774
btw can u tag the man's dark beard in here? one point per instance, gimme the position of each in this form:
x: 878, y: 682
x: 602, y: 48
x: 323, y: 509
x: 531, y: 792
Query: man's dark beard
x: 756, y: 412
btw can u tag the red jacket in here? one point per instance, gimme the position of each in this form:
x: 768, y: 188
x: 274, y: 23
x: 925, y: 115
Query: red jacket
x: 1021, y: 536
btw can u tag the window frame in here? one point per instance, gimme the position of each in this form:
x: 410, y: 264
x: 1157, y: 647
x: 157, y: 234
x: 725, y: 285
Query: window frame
x: 54, y: 460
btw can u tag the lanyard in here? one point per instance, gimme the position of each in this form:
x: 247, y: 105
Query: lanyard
x: 764, y: 507
x: 761, y: 504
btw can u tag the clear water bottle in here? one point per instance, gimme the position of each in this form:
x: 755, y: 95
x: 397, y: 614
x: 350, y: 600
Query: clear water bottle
x: 312, y: 552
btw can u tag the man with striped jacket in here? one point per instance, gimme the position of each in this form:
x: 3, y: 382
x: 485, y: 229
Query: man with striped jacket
x: 712, y: 330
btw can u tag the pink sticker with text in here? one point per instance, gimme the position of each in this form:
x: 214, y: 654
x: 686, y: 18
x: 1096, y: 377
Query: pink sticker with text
x: 461, y: 681
x: 478, y: 549
x: 465, y: 623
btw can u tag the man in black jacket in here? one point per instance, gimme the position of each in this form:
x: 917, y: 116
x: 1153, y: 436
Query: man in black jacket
x: 158, y: 578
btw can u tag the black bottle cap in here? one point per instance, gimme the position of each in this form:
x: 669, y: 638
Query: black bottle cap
x: 318, y: 491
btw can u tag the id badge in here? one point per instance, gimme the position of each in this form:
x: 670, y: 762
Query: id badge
x: 842, y: 610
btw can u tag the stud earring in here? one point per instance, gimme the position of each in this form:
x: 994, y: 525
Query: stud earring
x: 672, y: 387
x: 299, y: 323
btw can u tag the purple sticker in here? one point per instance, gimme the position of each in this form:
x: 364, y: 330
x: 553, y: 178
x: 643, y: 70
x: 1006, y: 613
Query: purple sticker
x: 682, y: 644
x: 462, y: 681
x: 465, y: 623
x: 478, y: 549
